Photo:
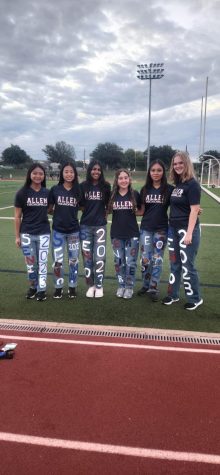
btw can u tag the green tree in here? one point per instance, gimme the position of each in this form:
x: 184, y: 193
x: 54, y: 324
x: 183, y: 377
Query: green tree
x: 134, y: 159
x: 163, y: 153
x: 16, y: 157
x: 60, y: 153
x: 129, y: 158
x: 109, y: 154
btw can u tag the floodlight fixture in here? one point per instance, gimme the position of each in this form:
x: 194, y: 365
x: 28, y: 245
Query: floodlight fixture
x: 150, y: 71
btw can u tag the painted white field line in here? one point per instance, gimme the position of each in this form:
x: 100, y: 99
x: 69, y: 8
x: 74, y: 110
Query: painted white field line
x: 109, y: 222
x: 111, y: 345
x: 111, y: 449
x: 7, y: 207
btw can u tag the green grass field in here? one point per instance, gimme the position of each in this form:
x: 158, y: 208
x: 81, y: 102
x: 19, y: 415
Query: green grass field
x: 139, y: 311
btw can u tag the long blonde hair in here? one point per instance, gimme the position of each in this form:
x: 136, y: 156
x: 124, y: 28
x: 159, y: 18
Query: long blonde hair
x: 188, y: 171
x: 115, y: 189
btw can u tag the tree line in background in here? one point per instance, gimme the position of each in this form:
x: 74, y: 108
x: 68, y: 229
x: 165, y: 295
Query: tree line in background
x: 109, y: 154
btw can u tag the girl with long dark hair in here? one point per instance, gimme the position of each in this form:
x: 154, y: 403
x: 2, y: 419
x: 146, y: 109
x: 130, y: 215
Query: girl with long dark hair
x: 32, y: 229
x: 95, y: 192
x: 155, y: 197
x: 123, y: 205
x: 64, y: 201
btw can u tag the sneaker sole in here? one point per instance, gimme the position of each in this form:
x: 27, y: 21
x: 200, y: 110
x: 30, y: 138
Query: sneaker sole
x: 170, y: 303
x: 197, y: 305
x: 31, y: 298
x: 58, y: 297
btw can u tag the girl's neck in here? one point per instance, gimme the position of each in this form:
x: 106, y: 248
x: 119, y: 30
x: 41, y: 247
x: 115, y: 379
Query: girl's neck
x: 95, y: 182
x: 36, y: 187
x: 67, y: 185
x: 156, y: 184
x: 123, y: 191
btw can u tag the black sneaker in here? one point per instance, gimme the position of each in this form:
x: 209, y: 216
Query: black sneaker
x: 72, y: 292
x: 58, y: 293
x: 31, y: 293
x: 193, y: 306
x: 41, y: 296
x: 142, y: 291
x: 169, y: 300
x: 154, y: 296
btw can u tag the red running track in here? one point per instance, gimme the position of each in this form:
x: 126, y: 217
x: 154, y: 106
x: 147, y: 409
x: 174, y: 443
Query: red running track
x: 89, y: 409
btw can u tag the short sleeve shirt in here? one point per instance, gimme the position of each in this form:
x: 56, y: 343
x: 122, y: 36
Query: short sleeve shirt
x: 124, y: 221
x: 65, y: 209
x: 183, y: 196
x: 34, y: 205
x: 155, y: 216
x: 94, y: 205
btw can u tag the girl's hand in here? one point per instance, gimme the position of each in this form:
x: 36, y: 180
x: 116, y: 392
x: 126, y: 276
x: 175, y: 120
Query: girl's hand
x: 200, y: 210
x: 188, y: 238
x: 18, y: 242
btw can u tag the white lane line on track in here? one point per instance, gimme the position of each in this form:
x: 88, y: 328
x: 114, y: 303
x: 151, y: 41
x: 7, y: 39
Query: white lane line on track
x: 112, y: 345
x: 111, y: 449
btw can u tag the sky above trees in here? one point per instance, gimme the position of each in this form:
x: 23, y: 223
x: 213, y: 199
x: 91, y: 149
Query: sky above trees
x: 68, y: 72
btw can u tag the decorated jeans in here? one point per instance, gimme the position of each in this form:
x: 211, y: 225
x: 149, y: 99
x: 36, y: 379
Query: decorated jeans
x: 93, y: 244
x: 125, y: 259
x: 35, y: 249
x: 61, y: 241
x: 182, y: 260
x: 152, y: 246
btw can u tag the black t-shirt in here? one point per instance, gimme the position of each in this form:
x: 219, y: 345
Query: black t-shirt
x: 183, y: 196
x: 94, y: 204
x: 124, y: 221
x: 155, y: 213
x: 66, y: 206
x: 34, y: 205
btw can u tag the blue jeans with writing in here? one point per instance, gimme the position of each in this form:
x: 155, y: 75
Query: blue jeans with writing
x: 152, y: 247
x: 61, y: 241
x: 93, y: 244
x: 125, y: 258
x: 35, y: 249
x: 182, y: 260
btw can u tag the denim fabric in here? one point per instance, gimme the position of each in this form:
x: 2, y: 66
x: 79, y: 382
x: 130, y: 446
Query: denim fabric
x: 59, y: 242
x: 35, y: 249
x: 152, y: 246
x: 125, y: 259
x: 182, y: 260
x: 93, y: 244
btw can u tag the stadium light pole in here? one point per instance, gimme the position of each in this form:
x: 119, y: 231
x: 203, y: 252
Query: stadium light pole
x: 150, y: 71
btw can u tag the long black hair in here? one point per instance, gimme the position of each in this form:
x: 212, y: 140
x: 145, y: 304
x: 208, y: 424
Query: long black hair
x: 103, y: 184
x: 28, y: 180
x: 149, y: 181
x: 75, y: 182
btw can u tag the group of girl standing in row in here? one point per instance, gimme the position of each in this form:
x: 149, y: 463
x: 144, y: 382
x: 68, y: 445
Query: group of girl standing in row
x: 34, y: 201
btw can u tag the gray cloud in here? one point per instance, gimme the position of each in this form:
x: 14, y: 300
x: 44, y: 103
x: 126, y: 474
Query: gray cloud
x: 69, y: 72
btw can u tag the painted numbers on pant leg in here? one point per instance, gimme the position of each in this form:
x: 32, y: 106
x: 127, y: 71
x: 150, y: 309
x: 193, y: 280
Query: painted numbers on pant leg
x: 183, y: 256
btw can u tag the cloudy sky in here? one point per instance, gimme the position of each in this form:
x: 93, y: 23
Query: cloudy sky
x: 68, y: 72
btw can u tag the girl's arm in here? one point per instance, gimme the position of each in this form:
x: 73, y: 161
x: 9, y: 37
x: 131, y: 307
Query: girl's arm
x: 191, y: 224
x: 50, y: 209
x: 18, y: 214
x: 140, y: 211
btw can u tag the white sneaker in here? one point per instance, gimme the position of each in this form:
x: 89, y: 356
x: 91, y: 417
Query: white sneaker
x: 99, y: 292
x: 91, y: 292
x: 120, y: 292
x: 128, y: 293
